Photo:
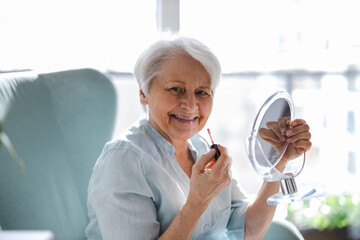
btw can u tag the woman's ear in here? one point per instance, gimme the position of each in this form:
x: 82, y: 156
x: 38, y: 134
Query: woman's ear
x: 143, y: 98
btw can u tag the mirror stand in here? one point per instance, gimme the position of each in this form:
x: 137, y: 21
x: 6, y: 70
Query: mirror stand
x: 288, y: 186
x: 289, y: 192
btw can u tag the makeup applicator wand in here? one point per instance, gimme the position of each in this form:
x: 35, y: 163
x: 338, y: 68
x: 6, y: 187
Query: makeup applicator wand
x: 217, y: 155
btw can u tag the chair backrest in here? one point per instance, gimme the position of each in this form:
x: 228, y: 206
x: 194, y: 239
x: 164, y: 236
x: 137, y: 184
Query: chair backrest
x: 58, y: 123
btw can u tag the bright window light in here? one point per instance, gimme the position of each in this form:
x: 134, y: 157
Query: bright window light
x: 262, y: 35
x: 46, y: 35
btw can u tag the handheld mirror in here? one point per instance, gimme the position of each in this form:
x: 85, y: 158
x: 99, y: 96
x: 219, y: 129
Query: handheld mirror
x: 271, y: 156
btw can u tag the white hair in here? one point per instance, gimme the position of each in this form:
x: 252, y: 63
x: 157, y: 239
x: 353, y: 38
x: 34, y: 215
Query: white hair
x: 151, y: 61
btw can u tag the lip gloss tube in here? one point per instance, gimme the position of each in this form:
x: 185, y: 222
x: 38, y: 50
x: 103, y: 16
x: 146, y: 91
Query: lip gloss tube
x: 217, y: 154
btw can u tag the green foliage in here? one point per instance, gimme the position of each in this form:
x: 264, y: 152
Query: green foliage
x: 326, y: 213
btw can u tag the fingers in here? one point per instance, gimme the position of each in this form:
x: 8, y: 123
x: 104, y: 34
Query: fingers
x: 301, y: 136
x: 296, y: 131
x: 273, y: 126
x: 305, y: 145
x: 297, y: 122
x: 220, y: 172
x: 298, y: 126
x: 204, y: 160
x: 283, y: 124
x: 299, y: 131
x: 269, y: 135
x: 224, y: 161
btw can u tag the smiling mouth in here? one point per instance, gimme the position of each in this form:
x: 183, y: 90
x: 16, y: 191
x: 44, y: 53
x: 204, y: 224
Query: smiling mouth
x: 183, y: 118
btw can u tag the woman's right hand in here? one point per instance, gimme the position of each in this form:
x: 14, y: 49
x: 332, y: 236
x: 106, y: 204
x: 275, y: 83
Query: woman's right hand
x: 205, y: 185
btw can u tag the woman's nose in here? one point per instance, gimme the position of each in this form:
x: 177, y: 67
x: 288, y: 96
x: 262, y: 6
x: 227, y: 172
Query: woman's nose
x: 189, y: 102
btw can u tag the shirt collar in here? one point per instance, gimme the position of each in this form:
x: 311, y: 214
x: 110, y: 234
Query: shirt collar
x: 193, y: 150
x: 157, y: 137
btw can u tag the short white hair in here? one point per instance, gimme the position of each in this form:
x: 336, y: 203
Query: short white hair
x: 150, y: 62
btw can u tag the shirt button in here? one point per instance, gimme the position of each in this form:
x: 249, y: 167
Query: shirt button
x: 206, y: 226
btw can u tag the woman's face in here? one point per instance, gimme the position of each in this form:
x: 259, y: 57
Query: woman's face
x: 180, y: 99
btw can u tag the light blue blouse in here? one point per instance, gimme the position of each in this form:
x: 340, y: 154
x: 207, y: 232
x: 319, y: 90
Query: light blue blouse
x: 138, y: 187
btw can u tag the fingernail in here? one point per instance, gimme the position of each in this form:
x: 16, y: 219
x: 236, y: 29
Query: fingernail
x: 283, y: 130
x: 288, y: 132
x: 294, y: 124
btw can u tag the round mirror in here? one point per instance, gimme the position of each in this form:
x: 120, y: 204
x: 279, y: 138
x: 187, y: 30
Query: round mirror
x: 270, y: 154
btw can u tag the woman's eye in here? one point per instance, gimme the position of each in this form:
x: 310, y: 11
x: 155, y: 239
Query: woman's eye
x: 176, y: 90
x: 202, y: 93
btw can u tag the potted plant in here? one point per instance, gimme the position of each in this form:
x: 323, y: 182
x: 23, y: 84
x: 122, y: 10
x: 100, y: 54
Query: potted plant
x: 332, y: 217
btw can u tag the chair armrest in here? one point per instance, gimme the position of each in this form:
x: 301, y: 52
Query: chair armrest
x: 283, y: 230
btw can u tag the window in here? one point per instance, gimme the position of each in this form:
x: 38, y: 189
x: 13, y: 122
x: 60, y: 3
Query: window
x: 261, y: 35
x: 51, y: 35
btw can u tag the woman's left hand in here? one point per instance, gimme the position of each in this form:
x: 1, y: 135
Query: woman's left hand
x: 296, y: 134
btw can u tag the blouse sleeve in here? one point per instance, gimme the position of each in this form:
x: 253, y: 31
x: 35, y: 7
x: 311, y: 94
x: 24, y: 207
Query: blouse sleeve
x: 120, y: 201
x: 239, y: 203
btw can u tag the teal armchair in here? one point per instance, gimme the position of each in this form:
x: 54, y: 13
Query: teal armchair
x: 58, y: 123
x: 283, y: 230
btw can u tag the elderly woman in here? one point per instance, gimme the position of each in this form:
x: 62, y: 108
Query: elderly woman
x: 150, y: 183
